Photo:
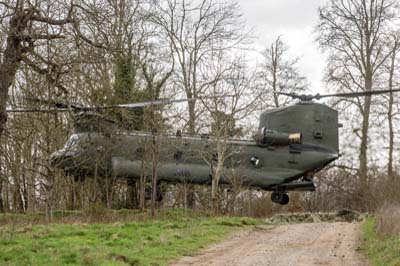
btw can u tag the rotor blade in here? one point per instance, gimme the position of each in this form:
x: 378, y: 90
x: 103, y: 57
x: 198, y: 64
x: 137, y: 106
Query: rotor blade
x: 149, y: 103
x: 61, y: 107
x: 301, y: 97
x: 304, y: 97
x: 67, y: 107
x: 136, y: 105
x: 356, y: 94
x: 56, y: 104
x: 22, y: 110
x: 157, y: 102
x: 287, y: 94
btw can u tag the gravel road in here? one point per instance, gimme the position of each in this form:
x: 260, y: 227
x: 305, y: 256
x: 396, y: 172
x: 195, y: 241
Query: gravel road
x: 328, y: 244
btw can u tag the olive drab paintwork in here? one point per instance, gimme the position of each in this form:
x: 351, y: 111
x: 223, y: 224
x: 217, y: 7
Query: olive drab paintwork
x: 293, y: 143
x: 317, y: 123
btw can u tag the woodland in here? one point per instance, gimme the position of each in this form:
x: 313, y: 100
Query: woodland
x: 106, y: 52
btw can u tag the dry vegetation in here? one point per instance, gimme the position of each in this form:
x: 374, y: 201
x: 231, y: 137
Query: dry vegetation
x: 381, y: 249
x: 381, y: 231
x: 388, y: 220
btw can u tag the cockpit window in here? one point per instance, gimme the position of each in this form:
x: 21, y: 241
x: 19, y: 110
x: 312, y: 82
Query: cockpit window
x: 72, y: 141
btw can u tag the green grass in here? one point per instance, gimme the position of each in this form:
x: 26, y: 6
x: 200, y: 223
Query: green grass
x: 381, y: 251
x: 148, y: 242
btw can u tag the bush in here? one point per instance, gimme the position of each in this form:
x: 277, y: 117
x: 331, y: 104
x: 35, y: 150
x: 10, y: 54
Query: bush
x: 97, y: 213
x: 388, y: 220
x: 379, y: 249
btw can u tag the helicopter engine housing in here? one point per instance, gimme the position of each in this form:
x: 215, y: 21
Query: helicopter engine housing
x: 317, y: 123
x: 267, y: 137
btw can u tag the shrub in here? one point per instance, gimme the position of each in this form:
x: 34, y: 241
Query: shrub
x: 387, y: 220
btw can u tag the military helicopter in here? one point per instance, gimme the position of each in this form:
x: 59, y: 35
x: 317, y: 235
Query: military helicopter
x: 293, y: 143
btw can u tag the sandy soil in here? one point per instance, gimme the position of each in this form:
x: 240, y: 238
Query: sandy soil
x: 329, y: 244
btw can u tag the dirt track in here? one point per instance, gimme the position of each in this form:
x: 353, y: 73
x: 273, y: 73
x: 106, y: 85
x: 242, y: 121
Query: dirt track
x: 329, y: 244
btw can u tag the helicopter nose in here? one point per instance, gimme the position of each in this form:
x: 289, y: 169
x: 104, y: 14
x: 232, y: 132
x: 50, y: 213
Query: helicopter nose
x: 58, y: 157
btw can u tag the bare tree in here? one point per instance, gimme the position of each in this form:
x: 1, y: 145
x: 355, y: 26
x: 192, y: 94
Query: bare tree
x: 28, y: 26
x: 279, y: 74
x: 393, y: 64
x: 195, y: 31
x: 353, y: 33
x: 234, y: 81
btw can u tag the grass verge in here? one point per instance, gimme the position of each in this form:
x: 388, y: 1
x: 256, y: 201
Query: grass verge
x: 143, y: 242
x: 379, y: 249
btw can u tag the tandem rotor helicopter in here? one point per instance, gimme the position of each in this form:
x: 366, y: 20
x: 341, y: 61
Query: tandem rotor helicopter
x: 292, y: 144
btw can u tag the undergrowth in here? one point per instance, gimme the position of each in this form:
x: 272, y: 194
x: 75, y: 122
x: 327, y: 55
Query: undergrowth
x: 381, y: 250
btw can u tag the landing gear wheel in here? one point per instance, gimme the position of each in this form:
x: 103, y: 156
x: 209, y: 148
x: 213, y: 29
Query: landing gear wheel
x: 276, y: 197
x: 280, y: 197
x: 285, y: 199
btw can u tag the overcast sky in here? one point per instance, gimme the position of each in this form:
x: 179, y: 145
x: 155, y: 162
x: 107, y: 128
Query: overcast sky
x: 295, y: 21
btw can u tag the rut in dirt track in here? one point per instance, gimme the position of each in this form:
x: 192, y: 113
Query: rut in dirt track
x: 329, y: 244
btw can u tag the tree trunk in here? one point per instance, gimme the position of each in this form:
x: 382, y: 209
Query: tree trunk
x: 18, y: 202
x: 3, y: 101
x: 131, y: 194
x: 153, y: 191
x: 49, y: 187
x: 192, y: 117
x: 6, y: 199
x: 1, y: 194
x: 215, y: 181
x: 391, y: 136
x: 364, y: 136
x: 11, y: 61
x: 24, y: 195
x: 274, y: 57
x: 390, y: 113
x: 75, y: 199
x: 190, y: 199
x: 214, y: 198
x: 17, y: 189
x: 189, y: 188
x: 154, y: 166
x: 70, y: 204
x: 142, y: 188
x: 2, y: 209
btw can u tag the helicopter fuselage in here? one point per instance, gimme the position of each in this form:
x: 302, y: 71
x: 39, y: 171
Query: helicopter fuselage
x: 275, y: 160
x: 184, y: 159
